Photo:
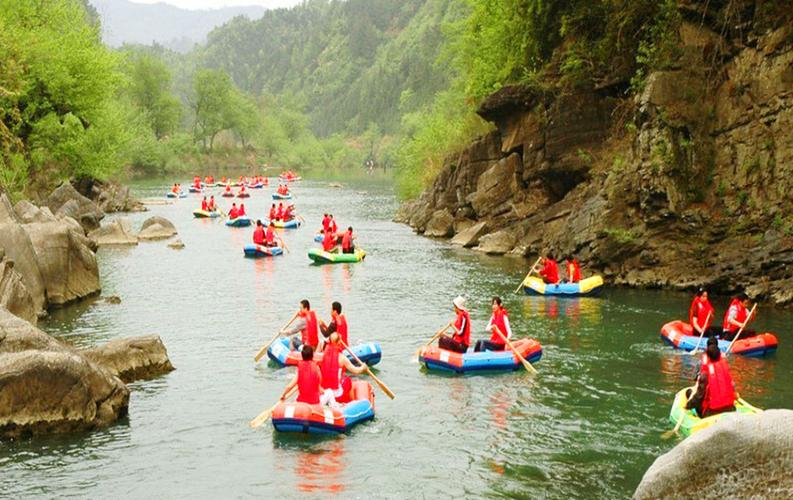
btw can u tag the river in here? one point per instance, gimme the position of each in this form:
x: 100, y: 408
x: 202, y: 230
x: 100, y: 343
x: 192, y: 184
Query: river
x: 588, y: 425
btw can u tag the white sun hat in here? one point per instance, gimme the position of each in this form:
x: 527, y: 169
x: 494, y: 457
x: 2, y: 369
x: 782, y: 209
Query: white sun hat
x: 459, y: 302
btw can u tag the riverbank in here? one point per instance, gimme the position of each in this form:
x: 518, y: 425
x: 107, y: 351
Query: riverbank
x: 680, y: 184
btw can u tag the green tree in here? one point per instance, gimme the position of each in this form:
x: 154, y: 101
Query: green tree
x: 212, y: 105
x: 150, y: 89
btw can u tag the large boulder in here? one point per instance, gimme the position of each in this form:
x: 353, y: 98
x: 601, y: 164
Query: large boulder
x: 14, y: 296
x: 109, y: 196
x: 66, y: 201
x: 441, y: 224
x: 17, y: 335
x: 470, y: 236
x: 67, y: 264
x: 748, y: 456
x: 132, y: 359
x: 56, y: 391
x: 497, y: 243
x: 495, y: 187
x: 17, y: 246
x: 156, y: 228
x: 28, y: 212
x: 118, y: 232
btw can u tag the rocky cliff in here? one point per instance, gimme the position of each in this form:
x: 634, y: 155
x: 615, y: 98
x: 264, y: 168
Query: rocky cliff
x: 682, y: 181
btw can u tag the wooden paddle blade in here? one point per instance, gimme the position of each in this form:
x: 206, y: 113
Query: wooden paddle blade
x: 262, y: 417
x: 261, y: 353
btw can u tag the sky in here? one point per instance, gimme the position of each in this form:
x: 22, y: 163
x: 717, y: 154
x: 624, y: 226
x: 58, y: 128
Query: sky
x: 214, y: 4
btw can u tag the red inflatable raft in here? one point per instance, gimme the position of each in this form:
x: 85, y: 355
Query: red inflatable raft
x: 320, y: 419
x: 679, y: 334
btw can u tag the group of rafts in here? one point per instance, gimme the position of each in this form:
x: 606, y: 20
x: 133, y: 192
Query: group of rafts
x: 238, y: 217
x: 317, y: 418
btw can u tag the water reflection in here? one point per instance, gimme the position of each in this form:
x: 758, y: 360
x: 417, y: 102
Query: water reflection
x: 319, y: 464
x: 586, y: 309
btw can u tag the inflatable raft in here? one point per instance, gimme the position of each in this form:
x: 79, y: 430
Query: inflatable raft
x: 279, y: 224
x: 255, y: 186
x: 588, y: 286
x: 277, y: 196
x: 693, y: 423
x: 171, y: 194
x: 281, y: 352
x: 239, y: 222
x: 253, y: 250
x: 679, y: 335
x: 227, y: 194
x: 243, y: 195
x: 320, y: 256
x: 435, y: 358
x: 319, y: 419
x: 194, y: 189
x: 203, y: 214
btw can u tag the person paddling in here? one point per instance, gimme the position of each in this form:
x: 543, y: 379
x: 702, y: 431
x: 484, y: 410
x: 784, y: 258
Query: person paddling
x: 204, y: 204
x: 737, y: 317
x: 332, y: 227
x: 550, y: 271
x: 347, y: 244
x: 258, y: 234
x: 573, y: 270
x: 289, y: 213
x: 325, y: 224
x: 335, y: 384
x: 234, y: 212
x: 212, y: 206
x: 499, y: 323
x: 338, y: 323
x: 701, y: 315
x: 270, y: 237
x: 308, y: 379
x: 273, y: 213
x: 461, y: 339
x: 279, y: 212
x: 306, y: 324
x: 715, y: 389
x: 241, y: 212
x: 329, y: 242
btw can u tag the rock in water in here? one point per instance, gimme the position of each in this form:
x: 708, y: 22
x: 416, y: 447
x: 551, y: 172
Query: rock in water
x: 134, y: 358
x: 14, y: 296
x: 18, y: 247
x: 470, y: 237
x: 176, y: 245
x: 67, y: 264
x: 441, y: 224
x: 66, y: 201
x: 118, y: 232
x: 740, y: 456
x: 49, y: 391
x: 156, y: 228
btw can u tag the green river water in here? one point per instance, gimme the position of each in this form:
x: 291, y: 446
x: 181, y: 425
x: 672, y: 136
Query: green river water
x: 588, y: 425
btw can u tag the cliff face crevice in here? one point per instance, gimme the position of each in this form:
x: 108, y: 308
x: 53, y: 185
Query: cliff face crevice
x: 691, y: 186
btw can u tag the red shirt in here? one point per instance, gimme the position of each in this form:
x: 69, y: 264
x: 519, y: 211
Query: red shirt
x: 700, y: 309
x: 328, y: 242
x: 233, y: 213
x: 331, y: 374
x: 463, y: 325
x: 270, y: 236
x: 346, y: 241
x: 258, y: 235
x: 272, y: 213
x: 498, y: 320
x: 309, y: 379
x: 550, y: 272
x: 310, y: 334
x: 204, y: 205
x: 341, y: 328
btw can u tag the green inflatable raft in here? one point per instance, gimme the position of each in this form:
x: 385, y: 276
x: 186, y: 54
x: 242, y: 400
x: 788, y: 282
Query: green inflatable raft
x: 691, y: 421
x: 320, y: 256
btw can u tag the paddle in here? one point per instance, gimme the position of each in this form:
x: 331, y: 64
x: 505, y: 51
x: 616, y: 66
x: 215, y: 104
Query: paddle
x: 694, y: 352
x: 263, y: 416
x: 532, y: 271
x: 437, y: 334
x: 283, y: 243
x: 748, y: 318
x: 523, y: 361
x: 366, y: 367
x: 668, y: 434
x: 263, y: 350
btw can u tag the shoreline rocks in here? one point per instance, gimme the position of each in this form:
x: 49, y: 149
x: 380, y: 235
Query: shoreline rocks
x: 117, y: 233
x: 131, y: 359
x: 157, y: 228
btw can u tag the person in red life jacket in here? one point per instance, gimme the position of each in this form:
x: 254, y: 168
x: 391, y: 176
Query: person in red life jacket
x: 550, y: 271
x: 228, y: 189
x: 573, y: 270
x: 737, y: 317
x: 329, y: 242
x: 289, y: 213
x: 258, y: 234
x: 715, y: 388
x: 175, y: 188
x: 308, y: 379
x: 234, y: 212
x: 338, y: 323
x: 701, y: 316
x: 336, y: 386
x: 279, y: 212
x: 241, y: 212
x: 461, y: 339
x: 332, y: 227
x: 499, y: 321
x: 306, y: 323
x: 242, y: 189
x: 270, y: 237
x: 204, y: 204
x: 197, y: 183
x: 212, y: 206
x: 266, y: 181
x: 273, y: 213
x: 347, y: 241
x: 325, y: 224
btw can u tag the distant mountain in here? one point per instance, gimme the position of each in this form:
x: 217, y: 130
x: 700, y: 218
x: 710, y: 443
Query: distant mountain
x: 178, y: 29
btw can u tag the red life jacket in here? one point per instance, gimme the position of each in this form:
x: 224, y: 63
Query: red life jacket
x: 241, y: 211
x: 211, y: 204
x: 341, y: 328
x: 464, y: 337
x: 346, y: 241
x: 325, y: 224
x: 699, y: 309
x: 740, y: 316
x: 328, y: 242
x: 551, y: 271
x: 573, y: 271
x: 272, y: 213
x: 228, y: 188
x: 331, y: 374
x: 270, y: 236
x: 258, y: 235
x: 720, y: 392
x: 233, y: 213
x: 498, y: 320
x: 279, y: 213
x: 204, y: 205
x: 332, y: 226
x: 308, y: 382
x: 309, y: 335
